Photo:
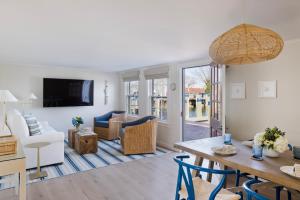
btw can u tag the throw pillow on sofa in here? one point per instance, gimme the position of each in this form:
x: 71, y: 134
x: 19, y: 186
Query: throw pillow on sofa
x: 33, y: 125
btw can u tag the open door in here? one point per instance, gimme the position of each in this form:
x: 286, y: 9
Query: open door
x: 196, y: 92
x: 217, y: 114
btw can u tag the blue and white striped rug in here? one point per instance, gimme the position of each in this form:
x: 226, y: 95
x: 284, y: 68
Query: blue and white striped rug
x: 109, y: 153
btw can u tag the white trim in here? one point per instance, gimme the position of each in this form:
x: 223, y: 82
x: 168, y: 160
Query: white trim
x: 223, y: 99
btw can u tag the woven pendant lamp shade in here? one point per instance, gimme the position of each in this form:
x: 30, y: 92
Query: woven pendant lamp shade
x: 245, y: 44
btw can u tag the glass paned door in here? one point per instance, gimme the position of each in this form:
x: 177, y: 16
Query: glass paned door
x: 196, y: 92
x: 217, y: 101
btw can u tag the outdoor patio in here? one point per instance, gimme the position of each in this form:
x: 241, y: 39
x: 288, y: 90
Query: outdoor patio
x: 196, y: 130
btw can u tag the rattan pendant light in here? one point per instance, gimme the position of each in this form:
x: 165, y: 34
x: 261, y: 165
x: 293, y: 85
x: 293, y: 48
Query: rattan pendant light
x: 245, y: 44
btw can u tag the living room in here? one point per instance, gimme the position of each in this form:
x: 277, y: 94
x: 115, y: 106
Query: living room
x: 96, y: 103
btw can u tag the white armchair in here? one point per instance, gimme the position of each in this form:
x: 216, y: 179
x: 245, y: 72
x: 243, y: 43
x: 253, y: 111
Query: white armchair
x: 51, y: 154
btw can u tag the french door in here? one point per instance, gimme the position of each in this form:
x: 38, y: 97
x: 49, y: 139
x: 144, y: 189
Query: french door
x: 217, y: 114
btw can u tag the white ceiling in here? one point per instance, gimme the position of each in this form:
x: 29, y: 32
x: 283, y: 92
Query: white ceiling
x: 113, y: 35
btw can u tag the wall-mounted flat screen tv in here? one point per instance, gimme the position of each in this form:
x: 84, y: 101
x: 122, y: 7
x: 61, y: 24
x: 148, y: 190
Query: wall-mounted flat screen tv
x: 68, y: 92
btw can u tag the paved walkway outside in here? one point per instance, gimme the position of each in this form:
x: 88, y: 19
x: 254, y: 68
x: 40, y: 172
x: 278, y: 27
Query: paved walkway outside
x: 195, y: 130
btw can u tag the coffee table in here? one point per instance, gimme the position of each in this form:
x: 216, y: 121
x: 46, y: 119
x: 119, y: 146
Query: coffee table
x: 83, y: 141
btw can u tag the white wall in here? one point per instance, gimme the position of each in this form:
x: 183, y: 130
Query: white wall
x: 246, y: 117
x: 21, y: 80
x: 169, y: 132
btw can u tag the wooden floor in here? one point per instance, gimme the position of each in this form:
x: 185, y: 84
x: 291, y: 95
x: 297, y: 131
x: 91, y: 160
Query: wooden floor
x: 149, y: 178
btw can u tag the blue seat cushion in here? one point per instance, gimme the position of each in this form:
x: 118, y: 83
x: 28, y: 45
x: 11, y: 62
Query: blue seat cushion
x: 138, y: 122
x: 103, y: 124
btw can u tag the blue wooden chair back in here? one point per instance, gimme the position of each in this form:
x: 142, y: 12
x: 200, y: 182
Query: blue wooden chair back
x: 185, y: 174
x: 251, y: 195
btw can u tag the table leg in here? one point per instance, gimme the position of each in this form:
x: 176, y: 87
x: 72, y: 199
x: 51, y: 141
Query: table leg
x: 210, y: 166
x: 22, y: 188
x: 198, y: 162
x: 16, y: 182
x: 38, y: 170
x: 223, y: 167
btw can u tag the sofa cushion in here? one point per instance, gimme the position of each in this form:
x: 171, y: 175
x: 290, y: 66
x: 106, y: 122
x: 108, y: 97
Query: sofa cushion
x: 17, y: 124
x: 115, y: 115
x: 103, y: 124
x: 107, y: 116
x: 33, y: 125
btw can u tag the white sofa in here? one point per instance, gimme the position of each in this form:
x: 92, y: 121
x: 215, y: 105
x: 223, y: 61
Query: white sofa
x: 52, y: 154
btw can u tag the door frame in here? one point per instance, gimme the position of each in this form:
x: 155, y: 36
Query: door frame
x: 183, y: 95
x: 220, y: 83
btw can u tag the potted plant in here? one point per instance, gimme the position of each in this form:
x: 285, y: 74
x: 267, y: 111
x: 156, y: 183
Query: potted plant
x: 273, y: 141
x: 77, y: 121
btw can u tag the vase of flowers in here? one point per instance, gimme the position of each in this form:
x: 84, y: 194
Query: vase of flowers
x: 273, y: 141
x: 77, y: 121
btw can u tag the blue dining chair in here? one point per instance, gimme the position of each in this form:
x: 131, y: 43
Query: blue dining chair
x: 252, y: 194
x: 277, y: 188
x: 194, y: 184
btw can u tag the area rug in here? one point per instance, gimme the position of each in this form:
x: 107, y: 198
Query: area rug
x: 109, y: 153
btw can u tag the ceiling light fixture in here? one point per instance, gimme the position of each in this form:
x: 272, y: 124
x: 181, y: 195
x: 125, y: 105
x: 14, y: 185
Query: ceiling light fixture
x: 246, y: 44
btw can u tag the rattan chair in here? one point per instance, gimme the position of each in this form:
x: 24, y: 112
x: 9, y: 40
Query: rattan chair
x: 139, y: 137
x: 107, y: 126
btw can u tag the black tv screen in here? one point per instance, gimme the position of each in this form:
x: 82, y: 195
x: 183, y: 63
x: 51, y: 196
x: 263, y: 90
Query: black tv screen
x: 68, y: 92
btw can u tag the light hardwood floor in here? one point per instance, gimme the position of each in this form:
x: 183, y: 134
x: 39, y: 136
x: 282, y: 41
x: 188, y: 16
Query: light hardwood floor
x: 145, y: 179
x: 149, y: 178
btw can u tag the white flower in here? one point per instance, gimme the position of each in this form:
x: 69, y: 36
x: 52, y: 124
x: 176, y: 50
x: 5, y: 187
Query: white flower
x: 281, y: 144
x: 259, y: 138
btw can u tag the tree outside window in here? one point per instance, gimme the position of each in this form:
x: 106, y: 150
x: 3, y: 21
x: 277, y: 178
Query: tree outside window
x: 159, y: 100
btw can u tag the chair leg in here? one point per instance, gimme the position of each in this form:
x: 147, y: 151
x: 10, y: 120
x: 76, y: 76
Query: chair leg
x: 289, y: 195
x: 241, y: 194
x: 278, y: 191
x: 210, y: 166
x: 198, y: 162
x: 237, y: 178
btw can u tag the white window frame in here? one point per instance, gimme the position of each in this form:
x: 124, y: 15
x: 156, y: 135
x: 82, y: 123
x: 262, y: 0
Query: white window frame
x: 128, y: 96
x: 151, y: 96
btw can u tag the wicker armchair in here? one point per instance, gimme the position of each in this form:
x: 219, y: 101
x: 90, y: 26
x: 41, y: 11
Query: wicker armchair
x: 107, y: 126
x: 138, y: 137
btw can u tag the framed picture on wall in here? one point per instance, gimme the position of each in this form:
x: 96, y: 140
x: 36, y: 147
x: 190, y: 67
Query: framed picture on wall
x: 238, y: 90
x: 267, y: 89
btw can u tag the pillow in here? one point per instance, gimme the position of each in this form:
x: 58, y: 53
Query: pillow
x: 33, y: 125
x: 114, y: 115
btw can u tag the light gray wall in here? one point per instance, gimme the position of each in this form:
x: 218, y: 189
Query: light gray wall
x: 21, y: 80
x: 246, y: 117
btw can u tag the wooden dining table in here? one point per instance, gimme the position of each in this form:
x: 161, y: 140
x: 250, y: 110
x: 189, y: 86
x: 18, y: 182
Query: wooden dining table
x: 268, y: 168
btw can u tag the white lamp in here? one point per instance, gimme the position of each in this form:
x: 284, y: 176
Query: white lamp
x: 5, y: 97
x: 28, y: 100
x: 32, y: 97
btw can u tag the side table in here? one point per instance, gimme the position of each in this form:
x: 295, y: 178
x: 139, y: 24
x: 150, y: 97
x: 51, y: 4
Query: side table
x: 86, y: 142
x: 38, y: 173
x: 15, y: 163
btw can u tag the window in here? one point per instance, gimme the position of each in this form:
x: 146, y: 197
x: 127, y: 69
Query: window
x: 132, y: 95
x: 159, y: 100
